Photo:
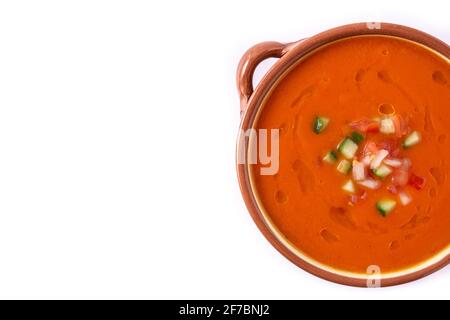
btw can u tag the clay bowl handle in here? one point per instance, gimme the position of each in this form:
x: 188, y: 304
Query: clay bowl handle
x: 249, y: 61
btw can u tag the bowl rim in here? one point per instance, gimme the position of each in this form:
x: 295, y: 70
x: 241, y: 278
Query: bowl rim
x: 294, y: 52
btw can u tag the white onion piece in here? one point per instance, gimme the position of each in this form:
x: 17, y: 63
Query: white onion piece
x: 405, y: 198
x: 387, y: 126
x: 359, y: 172
x: 395, y: 163
x: 370, y: 184
x: 366, y: 160
x: 379, y: 157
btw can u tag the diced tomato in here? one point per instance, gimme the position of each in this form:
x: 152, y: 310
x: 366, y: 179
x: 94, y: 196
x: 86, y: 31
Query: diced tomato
x: 401, y: 126
x: 400, y: 177
x: 416, y: 181
x: 365, y: 125
x: 395, y: 153
x: 370, y: 148
x: 390, y: 145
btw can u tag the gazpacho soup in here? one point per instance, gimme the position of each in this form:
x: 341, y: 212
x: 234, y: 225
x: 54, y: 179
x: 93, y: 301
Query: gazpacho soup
x: 364, y: 155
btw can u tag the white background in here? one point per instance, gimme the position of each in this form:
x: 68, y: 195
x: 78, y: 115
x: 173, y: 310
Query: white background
x: 118, y: 122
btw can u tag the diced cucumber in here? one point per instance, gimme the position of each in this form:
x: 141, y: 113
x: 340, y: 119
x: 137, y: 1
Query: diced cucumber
x: 382, y: 171
x: 411, y: 140
x: 385, y: 206
x: 344, y: 166
x: 357, y: 137
x: 330, y: 157
x: 348, y: 148
x: 387, y: 126
x: 320, y: 123
x: 349, y: 186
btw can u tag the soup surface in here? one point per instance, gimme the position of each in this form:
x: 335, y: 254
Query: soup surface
x: 364, y: 154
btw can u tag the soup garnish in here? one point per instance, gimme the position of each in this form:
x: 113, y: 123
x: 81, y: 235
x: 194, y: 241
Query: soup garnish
x: 372, y: 155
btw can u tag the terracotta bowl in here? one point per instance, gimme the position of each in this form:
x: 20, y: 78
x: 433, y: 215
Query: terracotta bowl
x: 251, y: 100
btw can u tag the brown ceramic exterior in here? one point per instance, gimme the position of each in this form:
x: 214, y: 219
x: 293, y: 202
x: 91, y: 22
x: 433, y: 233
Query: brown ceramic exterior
x: 251, y: 100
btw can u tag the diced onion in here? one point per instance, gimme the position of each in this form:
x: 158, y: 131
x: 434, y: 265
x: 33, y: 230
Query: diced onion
x: 405, y: 198
x: 370, y: 184
x: 379, y: 157
x: 387, y: 126
x: 395, y: 163
x: 359, y: 172
x: 366, y: 160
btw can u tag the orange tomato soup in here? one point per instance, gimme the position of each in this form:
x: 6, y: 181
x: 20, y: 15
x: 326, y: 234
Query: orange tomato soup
x: 367, y: 78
